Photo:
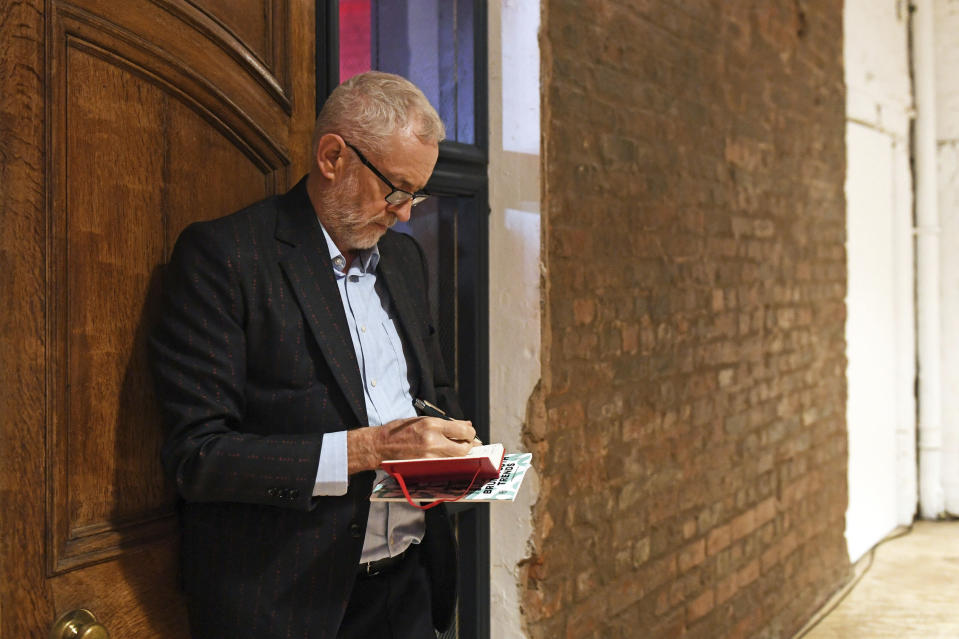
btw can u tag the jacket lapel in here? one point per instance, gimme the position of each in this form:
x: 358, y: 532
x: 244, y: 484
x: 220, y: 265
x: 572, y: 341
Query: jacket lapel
x: 410, y: 320
x: 305, y: 261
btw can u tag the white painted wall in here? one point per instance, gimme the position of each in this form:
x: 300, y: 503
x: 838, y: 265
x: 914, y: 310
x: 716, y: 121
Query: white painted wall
x: 947, y: 121
x: 880, y: 331
x: 514, y: 237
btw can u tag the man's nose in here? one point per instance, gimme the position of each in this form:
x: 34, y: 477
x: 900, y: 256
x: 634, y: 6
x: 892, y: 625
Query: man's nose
x: 403, y: 211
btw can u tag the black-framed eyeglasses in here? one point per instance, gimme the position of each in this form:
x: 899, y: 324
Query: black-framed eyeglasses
x: 396, y: 196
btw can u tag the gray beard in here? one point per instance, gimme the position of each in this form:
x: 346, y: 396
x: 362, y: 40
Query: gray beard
x: 348, y: 226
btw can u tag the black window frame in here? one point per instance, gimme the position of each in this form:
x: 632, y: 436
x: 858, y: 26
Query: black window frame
x: 461, y: 171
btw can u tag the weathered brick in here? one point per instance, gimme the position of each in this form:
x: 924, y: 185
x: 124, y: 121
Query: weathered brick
x: 701, y: 605
x: 689, y: 528
x: 584, y: 310
x: 765, y: 511
x: 717, y: 539
x: 743, y: 524
x: 726, y: 589
x: 586, y: 617
x: 747, y: 574
x: 693, y: 352
x: 692, y: 555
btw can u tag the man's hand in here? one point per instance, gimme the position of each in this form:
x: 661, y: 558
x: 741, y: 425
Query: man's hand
x: 408, y: 439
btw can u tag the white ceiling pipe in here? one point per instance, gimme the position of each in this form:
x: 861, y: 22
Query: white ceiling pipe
x: 931, y: 497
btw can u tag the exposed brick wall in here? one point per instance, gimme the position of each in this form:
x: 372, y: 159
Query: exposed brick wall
x: 689, y: 428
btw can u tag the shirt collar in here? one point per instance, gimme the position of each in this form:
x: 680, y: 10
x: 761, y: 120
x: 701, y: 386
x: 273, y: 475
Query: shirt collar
x: 366, y: 259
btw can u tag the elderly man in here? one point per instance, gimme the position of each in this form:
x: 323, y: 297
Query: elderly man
x: 293, y: 338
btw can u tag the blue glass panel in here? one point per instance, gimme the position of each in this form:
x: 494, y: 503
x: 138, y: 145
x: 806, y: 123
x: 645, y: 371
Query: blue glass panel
x: 433, y: 224
x: 431, y: 43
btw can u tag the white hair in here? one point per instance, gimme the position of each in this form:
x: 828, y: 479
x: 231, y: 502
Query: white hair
x: 370, y: 107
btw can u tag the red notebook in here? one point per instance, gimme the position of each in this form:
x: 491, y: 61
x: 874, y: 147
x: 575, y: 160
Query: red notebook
x: 483, y: 463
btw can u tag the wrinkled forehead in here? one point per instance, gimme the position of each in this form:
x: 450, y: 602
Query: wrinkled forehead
x: 406, y: 160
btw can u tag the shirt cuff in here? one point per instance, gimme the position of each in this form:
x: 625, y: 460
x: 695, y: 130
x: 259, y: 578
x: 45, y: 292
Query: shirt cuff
x: 331, y: 476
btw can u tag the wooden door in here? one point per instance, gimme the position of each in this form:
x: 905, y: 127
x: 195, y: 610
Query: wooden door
x: 121, y: 121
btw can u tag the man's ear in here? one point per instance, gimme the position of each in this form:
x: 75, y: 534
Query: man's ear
x: 329, y: 155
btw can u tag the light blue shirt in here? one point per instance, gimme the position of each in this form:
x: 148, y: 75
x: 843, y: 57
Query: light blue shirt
x: 391, y: 527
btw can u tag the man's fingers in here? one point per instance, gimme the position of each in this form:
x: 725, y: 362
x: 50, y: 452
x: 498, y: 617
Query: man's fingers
x: 459, y: 431
x: 459, y: 448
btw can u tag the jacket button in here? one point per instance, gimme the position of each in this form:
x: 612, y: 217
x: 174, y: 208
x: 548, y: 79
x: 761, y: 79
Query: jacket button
x: 355, y: 531
x: 272, y: 492
x: 294, y: 493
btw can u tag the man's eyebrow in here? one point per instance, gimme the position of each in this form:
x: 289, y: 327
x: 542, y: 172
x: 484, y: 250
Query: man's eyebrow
x: 401, y: 179
x: 406, y: 183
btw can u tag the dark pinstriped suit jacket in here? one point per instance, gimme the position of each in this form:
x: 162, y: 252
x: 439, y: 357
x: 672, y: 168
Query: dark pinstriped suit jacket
x: 253, y: 362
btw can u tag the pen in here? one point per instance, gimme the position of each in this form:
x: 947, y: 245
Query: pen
x: 429, y: 409
x: 434, y: 411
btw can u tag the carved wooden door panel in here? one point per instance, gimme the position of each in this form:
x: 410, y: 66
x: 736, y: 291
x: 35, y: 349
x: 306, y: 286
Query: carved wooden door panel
x: 122, y: 121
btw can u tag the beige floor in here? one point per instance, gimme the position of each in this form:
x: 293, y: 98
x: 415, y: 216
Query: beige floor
x: 908, y: 590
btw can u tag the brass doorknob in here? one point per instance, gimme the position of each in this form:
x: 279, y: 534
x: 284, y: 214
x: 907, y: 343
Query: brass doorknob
x: 78, y: 624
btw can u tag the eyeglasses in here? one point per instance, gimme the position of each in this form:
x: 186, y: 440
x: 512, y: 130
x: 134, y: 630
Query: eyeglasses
x: 395, y: 197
